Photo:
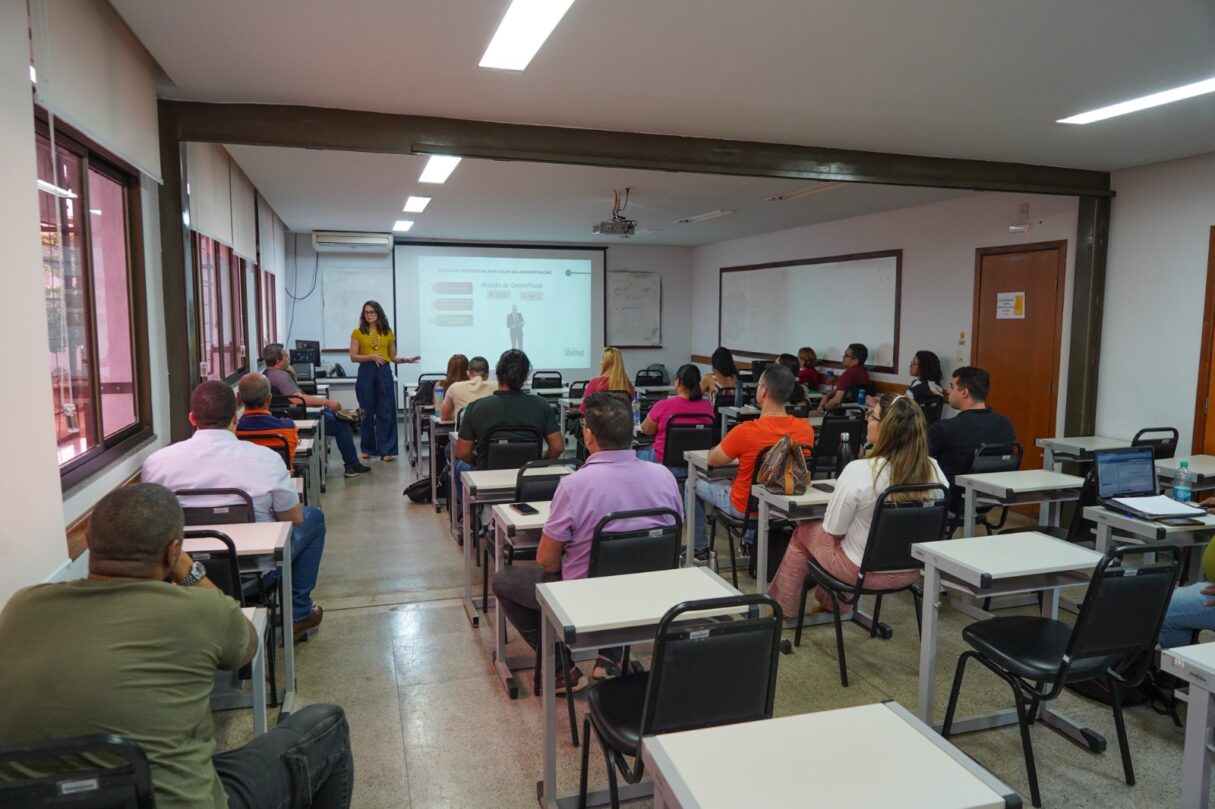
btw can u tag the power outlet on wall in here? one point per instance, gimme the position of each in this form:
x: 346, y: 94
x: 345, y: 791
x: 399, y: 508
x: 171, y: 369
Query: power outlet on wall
x: 960, y: 357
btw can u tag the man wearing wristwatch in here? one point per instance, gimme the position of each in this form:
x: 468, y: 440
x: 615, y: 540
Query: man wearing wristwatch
x: 133, y: 650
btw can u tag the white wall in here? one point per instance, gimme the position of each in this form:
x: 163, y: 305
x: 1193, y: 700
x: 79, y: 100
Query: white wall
x: 938, y: 243
x: 675, y: 265
x: 1160, y: 228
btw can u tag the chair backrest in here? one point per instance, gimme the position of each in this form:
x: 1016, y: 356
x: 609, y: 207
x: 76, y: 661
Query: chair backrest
x: 744, y: 393
x: 903, y: 516
x: 425, y: 394
x: 578, y: 389
x: 932, y: 407
x: 827, y: 438
x: 505, y: 447
x: 1077, y: 529
x: 546, y: 380
x: 77, y: 782
x: 538, y: 486
x: 636, y: 550
x: 648, y: 376
x: 223, y: 568
x: 1162, y: 440
x: 686, y: 431
x: 231, y: 511
x: 799, y: 411
x: 285, y: 408
x: 1124, y: 607
x: 271, y: 439
x: 713, y: 672
x: 648, y: 400
x: 996, y: 458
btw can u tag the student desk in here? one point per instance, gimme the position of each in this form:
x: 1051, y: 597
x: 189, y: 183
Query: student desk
x: 1202, y: 466
x: 599, y: 612
x: 793, y: 507
x: 1021, y: 487
x: 564, y: 405
x: 228, y: 693
x: 482, y: 488
x: 1078, y: 449
x: 1196, y: 665
x: 306, y: 451
x: 438, y: 427
x: 519, y: 531
x: 261, y: 547
x: 698, y: 467
x: 420, y: 426
x: 919, y: 769
x: 1003, y: 564
x: 314, y: 429
x: 1147, y: 532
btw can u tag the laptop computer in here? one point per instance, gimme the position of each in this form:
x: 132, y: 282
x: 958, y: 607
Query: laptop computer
x: 1127, y: 483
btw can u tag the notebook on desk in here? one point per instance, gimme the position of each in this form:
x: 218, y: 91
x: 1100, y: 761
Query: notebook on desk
x: 1126, y: 482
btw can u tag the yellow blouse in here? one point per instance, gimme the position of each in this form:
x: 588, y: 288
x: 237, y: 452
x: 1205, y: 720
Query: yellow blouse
x: 374, y: 343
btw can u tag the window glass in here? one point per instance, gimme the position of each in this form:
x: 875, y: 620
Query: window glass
x: 112, y: 303
x: 208, y: 308
x: 239, y: 313
x: 223, y: 272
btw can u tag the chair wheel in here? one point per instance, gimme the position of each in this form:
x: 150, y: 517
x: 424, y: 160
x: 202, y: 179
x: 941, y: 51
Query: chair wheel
x: 1096, y: 743
x: 786, y: 648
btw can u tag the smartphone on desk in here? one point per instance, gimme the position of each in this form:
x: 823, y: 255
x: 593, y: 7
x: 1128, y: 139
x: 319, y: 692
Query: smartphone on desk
x: 524, y: 508
x: 824, y: 487
x: 1179, y: 522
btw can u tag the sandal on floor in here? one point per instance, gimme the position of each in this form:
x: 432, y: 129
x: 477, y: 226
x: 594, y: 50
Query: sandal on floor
x: 388, y: 458
x: 605, y: 668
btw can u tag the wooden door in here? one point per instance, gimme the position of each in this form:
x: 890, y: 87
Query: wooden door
x: 1204, y: 410
x: 1018, y: 323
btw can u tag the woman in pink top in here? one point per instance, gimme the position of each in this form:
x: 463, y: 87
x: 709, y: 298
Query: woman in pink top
x: 688, y: 400
x: 612, y: 376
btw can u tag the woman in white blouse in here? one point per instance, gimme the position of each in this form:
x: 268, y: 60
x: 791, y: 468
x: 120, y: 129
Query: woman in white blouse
x: 899, y: 435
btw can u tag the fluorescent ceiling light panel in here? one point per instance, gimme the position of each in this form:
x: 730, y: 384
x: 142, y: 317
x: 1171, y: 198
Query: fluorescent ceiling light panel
x: 523, y: 30
x: 704, y: 217
x: 1143, y: 102
x: 402, y: 225
x: 817, y: 188
x: 416, y: 204
x: 438, y: 168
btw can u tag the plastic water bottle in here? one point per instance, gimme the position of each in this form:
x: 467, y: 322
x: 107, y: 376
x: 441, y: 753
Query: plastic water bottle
x: 844, y: 454
x: 1183, y: 484
x: 860, y: 396
x: 438, y: 393
x: 830, y: 383
x: 636, y: 408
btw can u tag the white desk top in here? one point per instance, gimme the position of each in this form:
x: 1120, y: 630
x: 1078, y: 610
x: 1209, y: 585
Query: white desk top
x: 1203, y: 466
x: 513, y: 521
x: 1082, y: 443
x: 306, y: 424
x: 256, y: 616
x: 793, y: 502
x: 314, y: 412
x: 1005, y: 556
x: 745, y: 410
x: 790, y: 758
x: 1144, y: 528
x: 250, y: 538
x: 490, y: 480
x: 1198, y: 658
x: 700, y: 459
x: 635, y: 599
x: 1019, y: 482
x: 304, y: 446
x: 441, y: 422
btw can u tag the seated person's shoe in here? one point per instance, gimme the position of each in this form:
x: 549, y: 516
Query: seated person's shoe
x: 300, y: 628
x: 701, y: 555
x: 573, y: 677
x: 605, y: 668
x: 352, y: 416
x: 356, y: 470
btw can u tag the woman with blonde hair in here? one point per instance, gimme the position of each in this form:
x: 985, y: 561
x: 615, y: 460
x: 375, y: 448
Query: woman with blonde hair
x: 457, y: 371
x: 899, y: 434
x: 612, y: 375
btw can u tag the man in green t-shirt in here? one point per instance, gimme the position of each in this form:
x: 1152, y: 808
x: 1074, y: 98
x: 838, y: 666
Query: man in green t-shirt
x: 133, y: 650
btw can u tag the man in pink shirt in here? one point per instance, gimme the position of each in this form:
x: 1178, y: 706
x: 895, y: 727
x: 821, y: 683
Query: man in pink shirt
x: 612, y: 479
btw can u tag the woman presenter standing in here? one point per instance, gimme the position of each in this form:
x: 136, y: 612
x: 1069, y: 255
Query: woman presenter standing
x: 373, y: 346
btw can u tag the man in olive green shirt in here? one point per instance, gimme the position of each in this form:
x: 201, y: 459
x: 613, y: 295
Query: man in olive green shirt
x: 126, y: 652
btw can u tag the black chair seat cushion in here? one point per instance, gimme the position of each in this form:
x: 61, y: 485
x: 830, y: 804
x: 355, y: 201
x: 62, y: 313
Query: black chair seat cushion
x: 1031, y: 647
x: 616, y: 707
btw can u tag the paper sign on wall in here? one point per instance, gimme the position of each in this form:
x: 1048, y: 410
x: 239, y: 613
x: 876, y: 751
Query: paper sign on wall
x: 1010, y: 306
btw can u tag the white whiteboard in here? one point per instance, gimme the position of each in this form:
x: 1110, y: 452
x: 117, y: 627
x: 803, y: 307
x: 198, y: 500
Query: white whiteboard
x: 634, y: 310
x: 343, y: 292
x: 822, y: 303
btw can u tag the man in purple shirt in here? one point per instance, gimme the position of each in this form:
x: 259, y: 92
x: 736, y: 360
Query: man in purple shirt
x: 612, y: 479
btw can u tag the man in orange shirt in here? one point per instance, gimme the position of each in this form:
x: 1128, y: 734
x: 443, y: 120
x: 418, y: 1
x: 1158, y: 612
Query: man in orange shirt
x: 744, y: 443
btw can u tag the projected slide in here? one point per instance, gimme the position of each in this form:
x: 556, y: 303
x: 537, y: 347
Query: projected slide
x: 486, y: 304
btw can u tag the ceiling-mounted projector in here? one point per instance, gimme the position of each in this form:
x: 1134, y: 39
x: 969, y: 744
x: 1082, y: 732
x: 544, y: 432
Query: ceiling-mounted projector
x: 618, y: 225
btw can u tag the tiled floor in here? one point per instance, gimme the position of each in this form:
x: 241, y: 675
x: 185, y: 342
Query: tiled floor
x: 433, y: 728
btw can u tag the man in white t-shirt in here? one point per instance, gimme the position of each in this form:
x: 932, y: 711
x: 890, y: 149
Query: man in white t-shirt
x: 477, y: 386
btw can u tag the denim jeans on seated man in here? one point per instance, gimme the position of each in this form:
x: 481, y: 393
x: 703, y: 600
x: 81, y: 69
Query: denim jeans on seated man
x: 717, y: 494
x: 1188, y: 612
x: 307, y: 545
x: 341, y: 433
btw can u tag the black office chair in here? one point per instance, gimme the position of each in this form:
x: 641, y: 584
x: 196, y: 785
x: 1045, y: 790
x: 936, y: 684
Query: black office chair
x: 577, y: 391
x: 686, y: 431
x: 932, y: 408
x: 899, y: 521
x: 507, y: 447
x: 1162, y: 440
x: 238, y: 506
x: 988, y: 458
x: 828, y: 436
x: 223, y: 567
x: 76, y: 779
x: 705, y: 673
x: 737, y: 527
x: 647, y: 402
x: 424, y: 395
x: 798, y: 411
x: 649, y: 377
x: 536, y: 487
x: 723, y: 398
x: 546, y: 380
x: 1113, y: 638
x: 284, y: 407
x: 1078, y: 530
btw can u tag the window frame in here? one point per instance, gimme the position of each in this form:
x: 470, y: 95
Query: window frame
x: 237, y: 308
x: 107, y: 450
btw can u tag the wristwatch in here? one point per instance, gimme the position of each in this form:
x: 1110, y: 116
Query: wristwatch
x: 198, y: 572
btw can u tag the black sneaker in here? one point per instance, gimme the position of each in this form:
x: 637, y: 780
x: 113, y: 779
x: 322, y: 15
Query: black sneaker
x: 701, y: 555
x: 357, y: 469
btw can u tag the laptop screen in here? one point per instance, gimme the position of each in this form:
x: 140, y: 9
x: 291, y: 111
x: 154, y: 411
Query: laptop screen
x: 1124, y: 472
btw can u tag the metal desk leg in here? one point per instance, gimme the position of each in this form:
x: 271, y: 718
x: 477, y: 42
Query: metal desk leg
x: 547, y: 788
x: 288, y: 704
x: 469, y: 606
x: 968, y: 519
x: 259, y: 686
x: 504, y: 665
x: 451, y: 484
x: 1196, y: 761
x: 1104, y: 534
x: 761, y: 548
x: 928, y: 642
x: 434, y: 475
x: 1048, y: 459
x: 689, y: 516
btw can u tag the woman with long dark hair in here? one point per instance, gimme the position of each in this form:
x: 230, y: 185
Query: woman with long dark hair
x: 688, y: 400
x: 724, y: 373
x: 926, y: 368
x: 373, y: 347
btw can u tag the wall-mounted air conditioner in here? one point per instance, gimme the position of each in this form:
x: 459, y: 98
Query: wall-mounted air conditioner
x: 331, y: 241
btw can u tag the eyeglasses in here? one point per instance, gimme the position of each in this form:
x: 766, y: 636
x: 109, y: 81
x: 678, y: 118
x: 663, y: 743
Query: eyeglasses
x: 871, y: 416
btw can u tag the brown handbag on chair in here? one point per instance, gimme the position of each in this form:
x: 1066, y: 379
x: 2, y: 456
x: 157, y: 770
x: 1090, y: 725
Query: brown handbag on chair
x: 784, y: 469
